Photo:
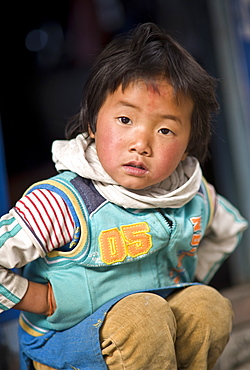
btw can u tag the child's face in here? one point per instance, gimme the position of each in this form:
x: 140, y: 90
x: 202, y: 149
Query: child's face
x: 142, y: 134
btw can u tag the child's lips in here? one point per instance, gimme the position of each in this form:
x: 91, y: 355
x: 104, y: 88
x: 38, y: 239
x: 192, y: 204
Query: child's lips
x: 135, y: 168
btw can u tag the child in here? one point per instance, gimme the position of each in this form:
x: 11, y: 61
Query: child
x: 113, y: 244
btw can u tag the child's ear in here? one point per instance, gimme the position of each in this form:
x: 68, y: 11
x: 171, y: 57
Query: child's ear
x: 91, y: 134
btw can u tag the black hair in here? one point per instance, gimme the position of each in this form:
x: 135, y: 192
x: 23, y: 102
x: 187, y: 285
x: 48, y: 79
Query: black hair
x: 148, y: 53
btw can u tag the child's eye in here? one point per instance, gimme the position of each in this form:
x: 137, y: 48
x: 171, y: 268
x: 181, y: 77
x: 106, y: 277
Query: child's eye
x: 165, y: 131
x: 124, y: 120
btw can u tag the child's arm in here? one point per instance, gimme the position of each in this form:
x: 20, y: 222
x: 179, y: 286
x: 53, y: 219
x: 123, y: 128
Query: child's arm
x: 38, y: 299
x: 35, y: 299
x: 28, y: 232
x: 220, y: 240
x: 16, y: 291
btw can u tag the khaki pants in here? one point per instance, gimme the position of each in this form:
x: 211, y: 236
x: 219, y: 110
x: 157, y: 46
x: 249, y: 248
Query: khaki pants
x: 188, y: 330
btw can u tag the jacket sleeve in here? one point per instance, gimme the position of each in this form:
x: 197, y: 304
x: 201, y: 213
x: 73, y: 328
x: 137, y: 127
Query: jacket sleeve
x: 39, y: 223
x: 221, y: 238
x: 16, y: 250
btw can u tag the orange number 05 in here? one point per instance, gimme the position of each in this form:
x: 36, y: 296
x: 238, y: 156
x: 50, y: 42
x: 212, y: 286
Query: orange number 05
x: 131, y: 240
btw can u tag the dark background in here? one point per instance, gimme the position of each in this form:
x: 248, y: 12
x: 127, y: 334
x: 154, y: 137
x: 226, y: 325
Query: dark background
x: 47, y: 49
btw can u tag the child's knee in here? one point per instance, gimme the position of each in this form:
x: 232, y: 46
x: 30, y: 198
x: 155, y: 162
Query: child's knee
x: 139, y: 332
x: 205, y: 306
x: 212, y: 305
x: 204, y: 321
x: 139, y: 310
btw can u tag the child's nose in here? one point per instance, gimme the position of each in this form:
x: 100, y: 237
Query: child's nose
x: 141, y: 144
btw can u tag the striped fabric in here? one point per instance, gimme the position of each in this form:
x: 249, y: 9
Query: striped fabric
x: 39, y: 223
x: 48, y: 216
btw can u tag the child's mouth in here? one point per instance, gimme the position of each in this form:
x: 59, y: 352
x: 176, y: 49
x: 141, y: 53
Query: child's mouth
x: 135, y: 168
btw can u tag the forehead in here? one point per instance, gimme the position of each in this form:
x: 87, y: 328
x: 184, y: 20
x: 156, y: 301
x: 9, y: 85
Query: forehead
x: 152, y: 91
x: 156, y: 86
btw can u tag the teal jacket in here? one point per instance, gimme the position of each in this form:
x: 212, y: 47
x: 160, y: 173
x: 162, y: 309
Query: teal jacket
x: 114, y: 251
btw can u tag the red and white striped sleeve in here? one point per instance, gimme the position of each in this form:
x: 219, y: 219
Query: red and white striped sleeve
x: 48, y: 217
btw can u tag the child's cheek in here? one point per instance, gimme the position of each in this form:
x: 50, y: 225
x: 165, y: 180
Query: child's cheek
x: 108, y: 152
x: 170, y: 157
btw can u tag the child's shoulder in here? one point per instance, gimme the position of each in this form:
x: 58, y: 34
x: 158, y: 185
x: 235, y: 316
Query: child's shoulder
x: 73, y: 188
